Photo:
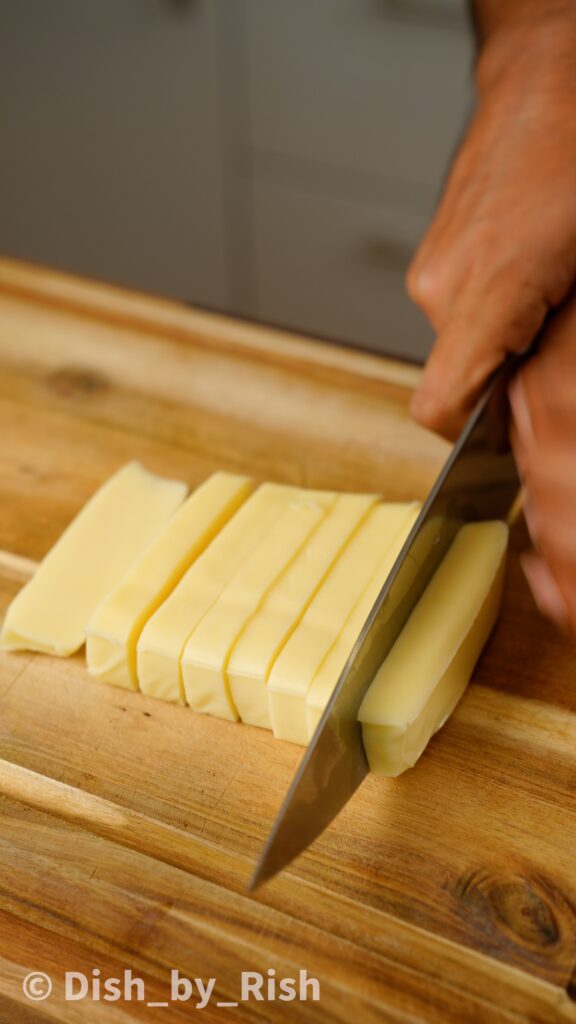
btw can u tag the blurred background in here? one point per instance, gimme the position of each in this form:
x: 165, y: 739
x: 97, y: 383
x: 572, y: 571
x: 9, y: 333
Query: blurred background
x: 274, y: 159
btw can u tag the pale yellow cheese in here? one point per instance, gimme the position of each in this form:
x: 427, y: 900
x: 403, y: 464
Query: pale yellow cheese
x: 115, y: 626
x: 205, y: 657
x: 429, y: 666
x: 303, y: 653
x: 329, y: 672
x: 263, y: 636
x: 164, y: 636
x: 51, y: 612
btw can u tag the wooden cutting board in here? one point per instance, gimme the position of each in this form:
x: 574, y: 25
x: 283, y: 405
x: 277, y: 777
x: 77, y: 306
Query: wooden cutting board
x: 129, y: 828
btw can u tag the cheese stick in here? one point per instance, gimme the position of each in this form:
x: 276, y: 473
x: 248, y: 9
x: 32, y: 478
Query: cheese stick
x: 303, y: 653
x: 115, y: 626
x: 52, y: 611
x: 268, y: 630
x: 329, y: 671
x: 206, y: 654
x: 429, y: 666
x: 164, y: 636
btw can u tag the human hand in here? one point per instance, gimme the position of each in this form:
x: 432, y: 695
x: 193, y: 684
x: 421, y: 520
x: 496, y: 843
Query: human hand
x: 543, y: 400
x: 501, y: 251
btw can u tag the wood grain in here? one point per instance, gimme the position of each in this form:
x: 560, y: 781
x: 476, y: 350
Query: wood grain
x: 129, y: 828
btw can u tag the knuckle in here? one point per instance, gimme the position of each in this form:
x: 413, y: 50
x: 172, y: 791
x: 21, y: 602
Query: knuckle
x: 426, y: 286
x: 423, y: 286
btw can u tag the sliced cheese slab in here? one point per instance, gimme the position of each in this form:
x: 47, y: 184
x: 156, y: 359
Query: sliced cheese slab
x: 206, y: 654
x: 329, y: 672
x: 52, y: 611
x: 164, y: 636
x: 303, y: 653
x: 115, y: 626
x: 260, y: 642
x: 429, y: 666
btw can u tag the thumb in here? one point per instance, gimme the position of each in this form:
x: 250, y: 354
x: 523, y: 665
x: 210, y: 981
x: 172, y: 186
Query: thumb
x: 482, y: 330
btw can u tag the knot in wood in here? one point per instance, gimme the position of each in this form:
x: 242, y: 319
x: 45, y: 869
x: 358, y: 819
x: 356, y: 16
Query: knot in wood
x: 519, y: 905
x: 76, y: 382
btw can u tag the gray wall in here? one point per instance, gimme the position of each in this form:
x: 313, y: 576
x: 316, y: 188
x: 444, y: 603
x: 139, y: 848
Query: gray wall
x: 273, y: 158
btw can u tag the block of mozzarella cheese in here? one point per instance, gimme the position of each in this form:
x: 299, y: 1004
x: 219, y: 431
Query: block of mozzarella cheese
x: 164, y: 636
x: 263, y: 636
x: 115, y: 626
x: 426, y: 672
x: 121, y: 519
x: 329, y: 672
x: 207, y: 650
x: 300, y: 658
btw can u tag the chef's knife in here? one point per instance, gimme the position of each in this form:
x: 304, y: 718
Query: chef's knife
x: 478, y: 481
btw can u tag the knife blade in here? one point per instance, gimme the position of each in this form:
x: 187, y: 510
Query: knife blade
x: 478, y: 481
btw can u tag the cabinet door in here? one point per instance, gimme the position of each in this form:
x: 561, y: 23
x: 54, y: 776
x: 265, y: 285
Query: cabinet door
x: 357, y: 86
x: 110, y: 142
x: 336, y: 268
x: 355, y: 107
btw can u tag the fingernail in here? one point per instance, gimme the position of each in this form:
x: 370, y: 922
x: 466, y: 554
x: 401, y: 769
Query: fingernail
x: 518, y: 401
x: 544, y: 588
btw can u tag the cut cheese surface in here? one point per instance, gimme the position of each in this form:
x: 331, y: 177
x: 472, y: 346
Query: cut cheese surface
x: 123, y: 517
x: 303, y: 653
x: 115, y: 626
x: 206, y: 654
x: 263, y: 636
x: 329, y: 672
x: 429, y: 666
x: 164, y: 636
